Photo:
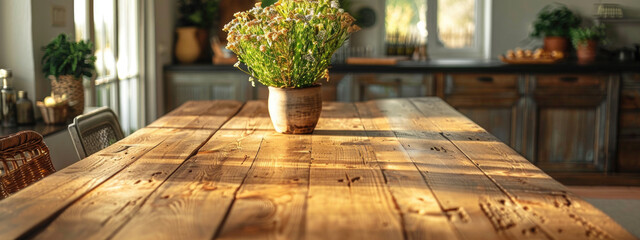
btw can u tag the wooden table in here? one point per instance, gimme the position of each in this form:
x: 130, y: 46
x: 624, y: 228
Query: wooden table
x: 387, y: 169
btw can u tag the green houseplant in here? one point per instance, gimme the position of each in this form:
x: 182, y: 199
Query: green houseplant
x: 553, y: 23
x: 64, y: 63
x: 196, y: 18
x: 586, y: 40
x: 288, y: 47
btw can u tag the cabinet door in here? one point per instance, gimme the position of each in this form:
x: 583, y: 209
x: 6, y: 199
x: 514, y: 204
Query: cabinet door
x: 187, y: 86
x: 493, y: 101
x: 573, y: 120
x: 629, y: 133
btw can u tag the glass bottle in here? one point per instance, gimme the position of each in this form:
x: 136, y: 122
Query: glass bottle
x: 8, y: 98
x: 24, y: 109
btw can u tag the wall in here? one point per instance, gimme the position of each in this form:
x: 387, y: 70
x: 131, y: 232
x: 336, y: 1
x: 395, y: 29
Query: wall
x: 43, y: 32
x: 26, y: 27
x: 512, y: 20
x: 165, y: 15
x: 16, y: 51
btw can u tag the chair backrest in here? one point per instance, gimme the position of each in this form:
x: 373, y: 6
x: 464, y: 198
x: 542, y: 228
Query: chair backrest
x: 95, y: 131
x: 25, y: 159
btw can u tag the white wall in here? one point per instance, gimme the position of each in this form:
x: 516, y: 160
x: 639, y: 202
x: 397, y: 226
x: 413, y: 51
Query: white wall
x: 43, y: 32
x: 25, y: 27
x: 16, y: 50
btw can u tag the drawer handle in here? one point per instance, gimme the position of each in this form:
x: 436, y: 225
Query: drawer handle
x: 569, y: 79
x: 485, y: 79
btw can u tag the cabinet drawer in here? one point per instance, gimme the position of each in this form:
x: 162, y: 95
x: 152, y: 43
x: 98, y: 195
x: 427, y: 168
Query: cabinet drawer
x: 481, y: 83
x: 630, y: 99
x: 568, y: 84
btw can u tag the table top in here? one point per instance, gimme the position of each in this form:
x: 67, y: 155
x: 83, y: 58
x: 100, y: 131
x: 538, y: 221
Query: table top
x: 385, y: 169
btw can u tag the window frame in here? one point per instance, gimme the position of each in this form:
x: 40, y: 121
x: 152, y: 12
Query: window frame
x: 482, y: 36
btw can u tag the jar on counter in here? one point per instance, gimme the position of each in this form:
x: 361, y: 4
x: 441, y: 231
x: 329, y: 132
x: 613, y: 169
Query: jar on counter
x: 8, y: 99
x: 24, y: 109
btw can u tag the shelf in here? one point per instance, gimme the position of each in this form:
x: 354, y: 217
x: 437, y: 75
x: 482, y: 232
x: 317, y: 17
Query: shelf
x: 618, y: 20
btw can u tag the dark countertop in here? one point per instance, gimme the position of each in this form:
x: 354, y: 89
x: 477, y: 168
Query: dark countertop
x: 494, y: 66
x: 39, y: 127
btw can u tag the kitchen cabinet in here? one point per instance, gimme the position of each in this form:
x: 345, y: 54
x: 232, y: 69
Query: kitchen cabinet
x: 571, y: 121
x: 493, y: 101
x: 202, y: 85
x: 629, y: 125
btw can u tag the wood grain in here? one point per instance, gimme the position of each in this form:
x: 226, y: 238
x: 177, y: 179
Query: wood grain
x: 557, y: 211
x: 271, y: 202
x: 199, y: 115
x: 466, y: 195
x: 347, y: 191
x: 204, y: 187
x: 103, y: 210
x: 421, y: 213
x: 43, y: 200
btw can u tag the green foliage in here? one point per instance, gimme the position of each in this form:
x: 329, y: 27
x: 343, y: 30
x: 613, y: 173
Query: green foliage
x: 266, y: 3
x: 62, y: 57
x: 554, y: 20
x: 198, y: 13
x: 290, y: 43
x: 580, y: 36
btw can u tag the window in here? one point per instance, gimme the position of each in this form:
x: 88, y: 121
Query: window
x: 114, y: 28
x: 459, y: 28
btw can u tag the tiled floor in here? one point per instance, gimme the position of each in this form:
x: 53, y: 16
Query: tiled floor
x: 620, y: 203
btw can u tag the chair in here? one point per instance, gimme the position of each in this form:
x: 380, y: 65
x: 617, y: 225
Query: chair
x: 95, y: 131
x: 25, y: 159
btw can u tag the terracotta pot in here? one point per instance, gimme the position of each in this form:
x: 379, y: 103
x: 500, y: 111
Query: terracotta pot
x: 587, y: 51
x: 187, y: 46
x: 556, y: 44
x: 74, y: 90
x: 295, y: 110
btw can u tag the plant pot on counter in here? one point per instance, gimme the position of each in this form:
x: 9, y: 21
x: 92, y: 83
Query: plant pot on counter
x: 556, y: 44
x: 187, y: 45
x: 586, y: 51
x: 73, y: 88
x: 295, y: 110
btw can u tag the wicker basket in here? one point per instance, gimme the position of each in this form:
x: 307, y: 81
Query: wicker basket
x: 74, y: 90
x: 25, y: 158
x: 54, y: 115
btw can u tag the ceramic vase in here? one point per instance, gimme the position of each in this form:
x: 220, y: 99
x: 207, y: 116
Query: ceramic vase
x: 187, y: 45
x: 295, y: 110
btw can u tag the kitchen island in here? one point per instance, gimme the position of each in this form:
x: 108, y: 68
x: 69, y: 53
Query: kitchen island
x: 384, y: 169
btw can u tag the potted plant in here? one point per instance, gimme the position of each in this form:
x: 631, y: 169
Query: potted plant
x: 194, y: 22
x: 288, y: 47
x: 553, y: 24
x: 64, y: 63
x: 586, y: 41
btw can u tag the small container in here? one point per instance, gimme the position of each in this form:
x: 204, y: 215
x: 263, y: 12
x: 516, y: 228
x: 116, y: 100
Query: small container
x: 8, y: 99
x: 54, y: 115
x: 24, y: 108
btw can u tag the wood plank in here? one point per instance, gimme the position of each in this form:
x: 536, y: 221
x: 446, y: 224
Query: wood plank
x: 44, y: 199
x: 471, y: 200
x: 422, y: 216
x: 348, y: 197
x: 193, y: 202
x: 199, y: 115
x: 271, y: 202
x: 558, y: 211
x: 105, y: 209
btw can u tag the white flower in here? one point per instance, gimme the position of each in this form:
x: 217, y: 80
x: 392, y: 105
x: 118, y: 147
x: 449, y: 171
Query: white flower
x: 237, y: 64
x: 335, y: 4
